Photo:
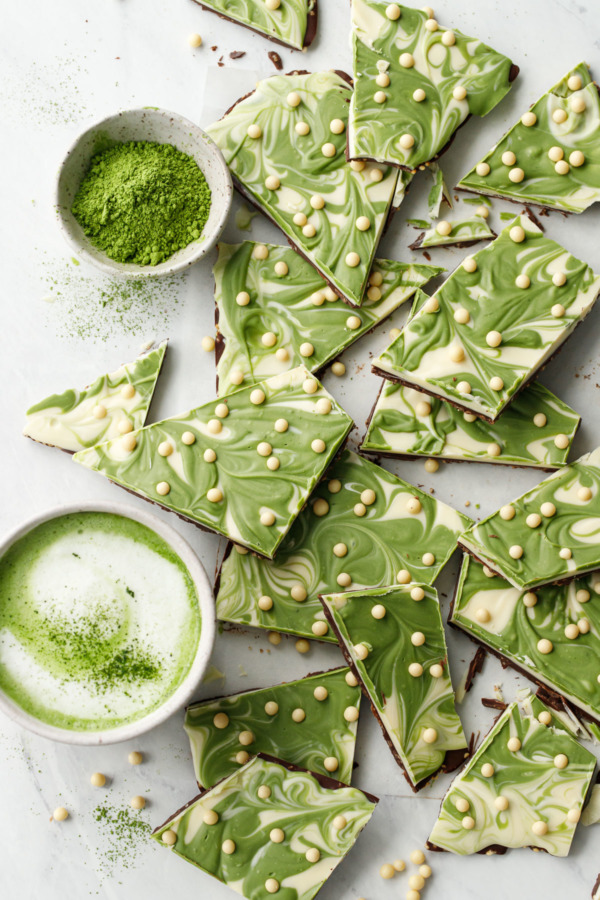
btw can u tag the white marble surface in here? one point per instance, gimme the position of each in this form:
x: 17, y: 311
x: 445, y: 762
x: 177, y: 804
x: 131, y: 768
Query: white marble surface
x: 64, y: 64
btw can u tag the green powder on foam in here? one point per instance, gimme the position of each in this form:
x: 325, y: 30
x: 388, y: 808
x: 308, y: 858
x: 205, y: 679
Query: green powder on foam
x: 141, y: 201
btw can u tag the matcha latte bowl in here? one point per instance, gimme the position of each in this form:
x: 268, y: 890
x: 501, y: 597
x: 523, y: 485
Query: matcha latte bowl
x: 107, y: 623
x: 158, y: 126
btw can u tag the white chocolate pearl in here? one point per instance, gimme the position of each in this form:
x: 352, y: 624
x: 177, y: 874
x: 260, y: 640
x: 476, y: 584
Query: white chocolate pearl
x: 448, y: 39
x: 501, y: 803
x: 417, y: 857
x: 470, y: 264
x: 128, y: 390
x: 417, y: 639
x: 417, y: 594
x: 469, y: 417
x: 468, y: 823
x: 378, y: 611
x: 221, y: 410
x: 493, y: 338
x: 210, y: 817
x: 517, y: 234
x: 539, y: 828
x: 431, y: 25
x: 496, y: 383
x: 264, y: 792
x: 264, y: 449
x: 363, y: 223
x: 243, y: 298
x: 393, y: 11
x: 310, y: 386
x: 273, y: 463
x: 321, y: 693
x: 461, y: 315
x: 257, y: 397
x: 319, y: 628
x: 313, y: 855
x: 463, y: 387
x: 482, y: 169
x: 368, y: 497
x: 269, y: 339
x: 555, y: 154
x: 516, y: 551
x: 487, y: 770
x: 431, y: 465
x: 318, y: 445
x: 298, y: 715
x: 188, y: 438
x: 271, y: 884
x: 561, y: 441
x: 306, y: 349
x: 302, y: 128
x: 195, y: 40
x: 562, y: 167
x: 559, y: 116
x: 406, y: 141
x: 533, y: 520
x: 99, y: 411
x: 577, y: 104
x: 443, y: 228
x: 163, y: 488
x: 129, y: 442
x: 530, y: 599
x: 272, y: 183
x: 125, y: 426
x: 545, y: 717
x: 272, y: 4
x: 281, y: 425
x: 353, y: 322
x: 265, y: 603
x: 528, y: 119
x: 337, y: 126
x: 584, y: 626
x: 328, y: 149
x: 575, y: 83
x: 419, y: 95
x: 379, y: 96
x: 483, y: 615
x: 523, y: 281
x: 416, y: 882
x: 351, y: 714
x: 572, y: 631
x: 330, y: 294
x: 169, y: 837
x: 507, y: 513
x: 246, y: 738
x: 436, y: 671
x: 357, y: 165
x: 137, y: 802
x: 399, y: 865
x: 574, y: 815
x: 516, y: 175
x: 135, y: 758
x: 165, y: 448
x: 323, y: 406
x: 456, y: 354
x: 576, y: 158
x: 361, y: 651
x: 214, y: 495
x: 582, y: 596
x: 300, y: 219
x: 273, y: 637
x: 208, y: 343
x: 317, y: 202
x: 344, y: 580
x: 221, y: 720
x: 462, y: 804
x: 352, y: 259
x: 407, y: 60
x: 509, y: 158
x: 430, y: 735
x: 383, y: 79
x: 298, y: 593
x: 423, y: 408
x: 558, y: 310
x: 376, y: 279
x: 282, y: 354
x: 459, y: 92
x: 483, y: 212
x: 584, y: 493
x: 294, y: 99
x: 514, y: 744
x: 494, y: 449
x: 254, y: 131
x: 260, y: 252
x: 539, y: 420
x: 98, y: 779
x: 330, y: 764
x: 281, y: 268
x: 387, y: 871
x: 545, y: 646
x: 432, y: 305
x: 360, y: 510
x: 414, y: 506
x: 403, y: 576
x: 559, y: 278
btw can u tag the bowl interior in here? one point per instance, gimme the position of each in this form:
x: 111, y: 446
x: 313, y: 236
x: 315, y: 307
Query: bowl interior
x: 184, y: 692
x: 144, y: 125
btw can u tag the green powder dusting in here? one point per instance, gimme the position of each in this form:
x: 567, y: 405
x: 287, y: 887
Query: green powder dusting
x: 141, y: 201
x: 124, y: 831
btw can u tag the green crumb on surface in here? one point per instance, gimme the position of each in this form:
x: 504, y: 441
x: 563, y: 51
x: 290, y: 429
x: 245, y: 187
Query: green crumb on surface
x: 142, y: 201
x: 124, y: 831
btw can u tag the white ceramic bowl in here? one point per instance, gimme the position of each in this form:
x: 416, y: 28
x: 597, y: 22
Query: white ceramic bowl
x: 186, y: 689
x: 163, y: 127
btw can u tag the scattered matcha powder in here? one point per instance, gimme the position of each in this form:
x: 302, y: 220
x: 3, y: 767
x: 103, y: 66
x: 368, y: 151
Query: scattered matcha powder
x: 142, y: 201
x: 124, y: 830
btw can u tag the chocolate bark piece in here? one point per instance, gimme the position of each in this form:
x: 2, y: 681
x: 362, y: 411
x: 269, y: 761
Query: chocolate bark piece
x: 112, y: 405
x: 513, y: 623
x: 494, y: 323
x: 393, y: 639
x: 268, y: 826
x: 275, y: 312
x: 548, y: 535
x: 243, y: 468
x: 295, y: 171
x: 293, y: 23
x: 551, y: 157
x: 363, y: 527
x: 224, y: 731
x: 416, y: 83
x: 524, y: 787
x: 407, y: 423
x: 455, y: 233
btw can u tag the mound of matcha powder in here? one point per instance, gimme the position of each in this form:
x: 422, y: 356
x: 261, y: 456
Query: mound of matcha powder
x: 141, y: 201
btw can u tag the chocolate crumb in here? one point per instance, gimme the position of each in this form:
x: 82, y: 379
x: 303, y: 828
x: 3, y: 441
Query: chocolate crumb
x: 214, y: 48
x: 596, y: 889
x: 220, y: 62
x: 475, y: 666
x: 237, y: 54
x: 275, y: 59
x: 493, y: 703
x: 427, y: 256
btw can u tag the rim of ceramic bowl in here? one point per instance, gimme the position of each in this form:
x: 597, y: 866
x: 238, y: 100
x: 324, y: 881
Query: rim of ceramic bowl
x: 184, y: 692
x: 181, y: 259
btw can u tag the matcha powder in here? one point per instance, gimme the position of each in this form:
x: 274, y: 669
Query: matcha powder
x: 141, y: 201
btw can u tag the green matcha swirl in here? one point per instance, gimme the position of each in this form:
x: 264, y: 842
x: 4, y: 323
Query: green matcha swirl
x: 556, y: 150
x: 323, y: 733
x: 310, y: 817
x: 492, y: 611
x: 536, y: 789
x: 211, y: 465
x: 104, y: 410
x: 293, y: 314
x: 416, y: 710
x: 304, y: 167
x: 439, y: 70
x: 524, y: 435
x: 550, y: 533
x: 496, y: 320
x: 287, y: 23
x: 338, y: 540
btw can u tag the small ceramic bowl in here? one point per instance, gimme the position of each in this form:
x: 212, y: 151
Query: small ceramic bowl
x: 163, y: 127
x: 183, y: 694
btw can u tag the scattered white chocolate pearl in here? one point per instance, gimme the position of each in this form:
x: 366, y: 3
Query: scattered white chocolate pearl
x: 246, y: 738
x: 310, y: 386
x: 298, y: 715
x: 294, y: 99
x: 129, y: 442
x: 302, y: 128
x: 221, y: 720
x: 584, y: 493
x: 431, y: 25
x: 330, y: 764
x: 430, y: 735
x: 428, y: 559
x: 516, y: 175
x: 330, y: 294
x: 559, y: 116
x: 562, y: 167
x: 387, y: 871
x: 352, y: 259
x: 264, y: 792
x: 574, y: 815
x: 523, y: 281
x: 351, y: 714
x: 383, y: 79
x: 323, y: 406
x: 584, y: 626
x: 214, y: 495
x: 482, y: 169
x: 463, y: 387
x: 261, y: 251
x: 516, y: 551
x: 320, y: 507
x: 493, y: 338
x: 281, y: 425
x: 357, y: 165
x: 99, y: 411
x: 456, y: 354
x: 228, y: 847
x: 254, y: 131
x: 545, y: 646
x: 374, y: 293
x: 137, y: 802
x: 195, y: 40
x: 210, y: 817
x: 379, y: 96
x: 462, y: 804
x: 313, y: 855
x: 272, y: 4
x: 214, y: 426
x: 265, y: 603
x: 417, y: 638
x: 561, y: 441
x: 163, y: 488
x: 209, y: 455
x: 558, y: 311
x: 169, y: 837
x: 318, y: 445
x: 361, y: 651
x: 496, y: 383
x: 363, y: 223
x: 559, y: 278
x: 298, y: 593
x: 257, y: 397
x: 582, y: 596
x: 281, y: 268
x: 274, y: 638
x: 328, y: 149
x: 448, y: 39
x: 98, y: 779
x: 321, y: 693
x: 376, y: 279
x: 565, y: 553
x: 393, y: 12
x: 432, y: 305
x: 417, y: 857
x: 124, y: 426
x: 533, y: 520
x: 514, y: 744
x: 483, y: 212
x: 272, y: 183
x: 487, y: 770
x: 208, y: 343
x: 353, y: 322
x: 406, y: 141
x: 416, y: 882
x: 572, y: 631
x: 419, y: 95
x: 539, y: 828
x: 508, y: 158
x: 461, y: 315
x: 545, y: 718
x: 338, y: 368
x: 507, y: 512
x: 267, y: 518
x: 528, y: 119
x: 222, y: 410
x: 483, y: 615
x: 577, y: 104
x: 309, y: 230
x: 530, y: 599
x: 317, y: 202
x: 431, y: 465
x: 135, y: 758
x: 413, y: 506
x: 539, y: 420
x: 378, y: 611
x: 243, y: 298
x: 368, y: 496
x: 415, y: 669
x: 407, y: 60
x: 575, y: 83
x: 555, y: 154
x: 494, y: 449
x: 576, y: 159
x: 300, y: 219
x: 399, y: 865
x: 436, y: 671
x: 459, y: 92
x: 443, y: 228
x: 319, y: 629
x: 517, y: 234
